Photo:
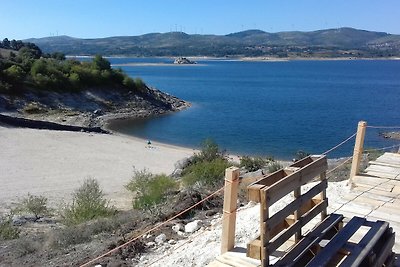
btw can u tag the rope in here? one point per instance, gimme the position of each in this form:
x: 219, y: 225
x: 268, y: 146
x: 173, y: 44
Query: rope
x: 340, y: 165
x: 338, y: 145
x: 152, y: 229
x: 382, y: 148
x: 384, y: 127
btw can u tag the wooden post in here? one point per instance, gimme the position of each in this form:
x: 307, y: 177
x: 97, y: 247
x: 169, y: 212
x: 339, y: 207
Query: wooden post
x: 324, y: 213
x: 229, y: 209
x: 358, y: 150
x: 297, y: 215
x: 265, y: 235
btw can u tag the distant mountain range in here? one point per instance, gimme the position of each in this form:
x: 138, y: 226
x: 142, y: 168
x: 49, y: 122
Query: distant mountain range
x: 341, y: 42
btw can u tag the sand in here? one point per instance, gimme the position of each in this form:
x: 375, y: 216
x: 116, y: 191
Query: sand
x: 55, y: 163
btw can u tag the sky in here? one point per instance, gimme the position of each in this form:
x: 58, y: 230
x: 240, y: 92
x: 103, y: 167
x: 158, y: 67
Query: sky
x: 104, y: 18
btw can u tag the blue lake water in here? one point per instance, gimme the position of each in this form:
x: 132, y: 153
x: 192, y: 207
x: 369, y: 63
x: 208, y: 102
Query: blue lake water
x: 271, y: 108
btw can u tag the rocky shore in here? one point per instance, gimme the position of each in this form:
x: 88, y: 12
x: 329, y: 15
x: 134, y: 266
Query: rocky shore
x: 91, y: 108
x: 391, y: 135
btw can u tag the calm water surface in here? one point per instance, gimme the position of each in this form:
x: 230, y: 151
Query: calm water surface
x: 271, y: 108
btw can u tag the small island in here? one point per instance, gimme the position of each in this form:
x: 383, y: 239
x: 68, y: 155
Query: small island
x: 183, y: 60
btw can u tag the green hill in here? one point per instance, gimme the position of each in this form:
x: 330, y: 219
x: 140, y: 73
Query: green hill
x: 325, y: 43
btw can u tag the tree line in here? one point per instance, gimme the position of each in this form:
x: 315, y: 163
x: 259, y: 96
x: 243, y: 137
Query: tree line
x: 24, y: 65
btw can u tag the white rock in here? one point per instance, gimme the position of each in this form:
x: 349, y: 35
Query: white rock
x: 160, y: 239
x: 171, y: 242
x: 193, y: 226
x: 181, y: 233
x: 150, y: 244
x: 178, y: 227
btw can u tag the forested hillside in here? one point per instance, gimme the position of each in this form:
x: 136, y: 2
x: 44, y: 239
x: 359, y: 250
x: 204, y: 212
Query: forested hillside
x: 342, y: 42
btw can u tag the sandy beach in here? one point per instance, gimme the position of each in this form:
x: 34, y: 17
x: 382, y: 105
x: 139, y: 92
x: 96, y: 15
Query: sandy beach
x: 55, y: 163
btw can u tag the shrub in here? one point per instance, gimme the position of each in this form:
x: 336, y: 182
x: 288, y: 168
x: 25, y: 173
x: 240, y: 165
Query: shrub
x: 128, y: 82
x: 205, y: 173
x: 300, y: 155
x: 252, y: 164
x: 274, y: 166
x: 26, y: 245
x: 72, y: 235
x: 37, y: 205
x: 150, y: 189
x: 209, y: 152
x: 88, y: 203
x: 7, y: 229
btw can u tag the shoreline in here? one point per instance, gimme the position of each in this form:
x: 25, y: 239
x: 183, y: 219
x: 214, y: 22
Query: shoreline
x: 234, y: 58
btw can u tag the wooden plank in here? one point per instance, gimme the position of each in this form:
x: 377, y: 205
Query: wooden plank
x: 370, y: 202
x: 383, y: 175
x: 330, y: 250
x: 365, y: 246
x: 253, y: 192
x: 392, y: 164
x: 366, y: 187
x: 295, y: 180
x: 370, y: 180
x: 254, y: 188
x: 230, y: 259
x: 322, y: 178
x: 383, y: 169
x: 270, y: 179
x: 254, y: 249
x: 312, y: 238
x: 314, y: 169
x: 372, y: 191
x: 380, y: 187
x: 295, y: 205
x: 386, y: 250
x: 277, y: 241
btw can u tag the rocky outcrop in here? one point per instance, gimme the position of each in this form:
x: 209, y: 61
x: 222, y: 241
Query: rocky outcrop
x: 391, y: 135
x: 38, y: 124
x: 183, y: 60
x: 87, y: 109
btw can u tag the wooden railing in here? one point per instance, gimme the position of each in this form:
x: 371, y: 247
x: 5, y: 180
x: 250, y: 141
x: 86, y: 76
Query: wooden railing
x: 275, y: 230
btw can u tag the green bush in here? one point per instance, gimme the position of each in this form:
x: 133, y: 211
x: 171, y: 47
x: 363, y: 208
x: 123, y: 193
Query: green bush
x: 209, y: 151
x: 299, y: 155
x: 252, y: 164
x: 274, y: 166
x: 37, y: 205
x: 205, y: 173
x: 88, y: 203
x: 7, y: 229
x: 150, y: 189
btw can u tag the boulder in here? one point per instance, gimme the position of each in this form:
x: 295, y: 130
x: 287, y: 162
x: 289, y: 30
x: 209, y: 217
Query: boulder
x: 160, y: 239
x: 178, y: 227
x: 193, y: 226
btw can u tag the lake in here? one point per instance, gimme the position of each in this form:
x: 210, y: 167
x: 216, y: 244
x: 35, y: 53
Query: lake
x: 271, y: 108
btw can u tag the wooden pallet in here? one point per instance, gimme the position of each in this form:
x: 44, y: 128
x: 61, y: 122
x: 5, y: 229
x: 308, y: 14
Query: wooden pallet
x: 373, y: 246
x: 360, y: 242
